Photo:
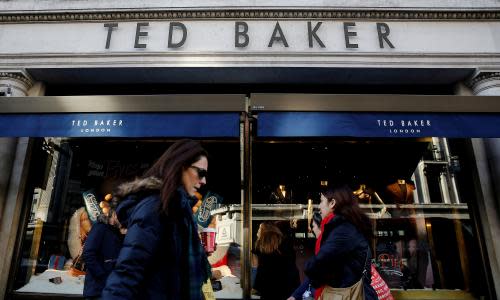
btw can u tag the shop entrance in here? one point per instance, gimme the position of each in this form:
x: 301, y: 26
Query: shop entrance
x: 270, y: 156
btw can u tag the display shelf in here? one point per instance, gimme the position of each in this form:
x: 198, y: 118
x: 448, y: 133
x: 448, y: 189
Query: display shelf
x: 276, y: 212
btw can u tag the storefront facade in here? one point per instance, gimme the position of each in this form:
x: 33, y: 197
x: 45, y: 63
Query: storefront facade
x: 287, y: 99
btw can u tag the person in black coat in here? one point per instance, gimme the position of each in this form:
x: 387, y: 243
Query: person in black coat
x: 344, y: 256
x: 277, y: 275
x: 99, y: 253
x: 162, y: 256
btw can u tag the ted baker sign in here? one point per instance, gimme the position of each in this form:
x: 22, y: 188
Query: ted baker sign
x: 242, y: 35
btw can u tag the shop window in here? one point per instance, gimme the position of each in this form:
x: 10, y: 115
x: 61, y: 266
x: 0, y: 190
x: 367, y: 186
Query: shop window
x: 416, y: 193
x: 66, y: 172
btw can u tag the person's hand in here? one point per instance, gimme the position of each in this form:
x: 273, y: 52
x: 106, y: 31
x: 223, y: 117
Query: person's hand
x: 291, y: 298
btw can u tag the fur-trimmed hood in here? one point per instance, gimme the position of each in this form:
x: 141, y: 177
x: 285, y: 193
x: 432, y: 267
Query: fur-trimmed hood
x: 136, y: 186
x: 129, y: 194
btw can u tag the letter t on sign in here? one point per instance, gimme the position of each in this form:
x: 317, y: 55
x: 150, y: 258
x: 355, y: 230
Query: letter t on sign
x: 110, y: 27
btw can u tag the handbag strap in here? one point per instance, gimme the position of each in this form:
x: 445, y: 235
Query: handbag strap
x: 365, y: 270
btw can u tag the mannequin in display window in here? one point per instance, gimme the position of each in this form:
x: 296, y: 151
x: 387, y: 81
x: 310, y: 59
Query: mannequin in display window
x: 401, y: 191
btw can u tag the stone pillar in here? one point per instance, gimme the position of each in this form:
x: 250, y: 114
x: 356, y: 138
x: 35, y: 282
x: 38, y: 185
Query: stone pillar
x: 12, y: 165
x: 12, y: 84
x: 487, y: 156
x: 486, y: 84
x: 15, y: 83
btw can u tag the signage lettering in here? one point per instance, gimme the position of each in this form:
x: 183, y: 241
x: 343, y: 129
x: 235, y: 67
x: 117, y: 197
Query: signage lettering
x: 180, y: 26
x: 405, y: 126
x: 312, y: 34
x: 348, y: 34
x: 277, y: 36
x: 110, y: 27
x: 241, y: 31
x: 139, y: 33
x: 383, y: 32
x: 178, y: 34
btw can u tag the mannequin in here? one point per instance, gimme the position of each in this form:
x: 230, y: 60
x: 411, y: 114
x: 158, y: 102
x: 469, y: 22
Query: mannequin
x: 401, y: 191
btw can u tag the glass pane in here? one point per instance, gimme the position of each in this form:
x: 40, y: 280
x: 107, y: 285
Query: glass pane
x: 417, y: 193
x: 66, y: 171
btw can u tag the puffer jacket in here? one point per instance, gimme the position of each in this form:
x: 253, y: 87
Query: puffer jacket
x: 152, y: 259
x: 99, y: 254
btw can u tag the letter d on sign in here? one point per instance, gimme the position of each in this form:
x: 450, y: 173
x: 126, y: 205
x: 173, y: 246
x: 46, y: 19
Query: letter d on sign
x: 180, y: 26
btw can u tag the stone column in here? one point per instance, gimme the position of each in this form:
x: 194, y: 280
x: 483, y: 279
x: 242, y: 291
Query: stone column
x: 12, y: 84
x: 486, y: 84
x: 12, y: 167
x: 15, y: 84
x: 487, y: 156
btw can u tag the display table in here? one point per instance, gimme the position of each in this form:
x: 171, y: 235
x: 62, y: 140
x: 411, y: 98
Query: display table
x: 40, y: 283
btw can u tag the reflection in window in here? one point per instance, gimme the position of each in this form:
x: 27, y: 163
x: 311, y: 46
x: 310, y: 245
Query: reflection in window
x: 70, y: 180
x: 410, y: 189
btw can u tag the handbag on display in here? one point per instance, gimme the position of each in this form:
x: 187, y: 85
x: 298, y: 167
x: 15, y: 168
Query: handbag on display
x: 354, y: 292
x: 78, y: 266
x: 380, y: 286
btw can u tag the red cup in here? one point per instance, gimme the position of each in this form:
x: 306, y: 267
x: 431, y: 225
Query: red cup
x: 208, y: 239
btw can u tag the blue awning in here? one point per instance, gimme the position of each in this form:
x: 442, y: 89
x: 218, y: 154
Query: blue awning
x: 120, y: 125
x: 315, y: 124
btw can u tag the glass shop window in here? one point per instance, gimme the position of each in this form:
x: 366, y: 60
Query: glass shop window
x: 72, y: 183
x: 416, y: 192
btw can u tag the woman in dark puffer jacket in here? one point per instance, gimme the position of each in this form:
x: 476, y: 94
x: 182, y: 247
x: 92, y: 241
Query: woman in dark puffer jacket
x: 162, y: 257
x: 344, y: 255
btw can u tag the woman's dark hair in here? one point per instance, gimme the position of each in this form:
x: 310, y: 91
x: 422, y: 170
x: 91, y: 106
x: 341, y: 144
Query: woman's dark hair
x: 169, y: 167
x: 346, y: 205
x: 316, y: 219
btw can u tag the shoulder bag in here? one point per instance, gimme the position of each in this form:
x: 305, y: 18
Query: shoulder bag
x: 354, y: 292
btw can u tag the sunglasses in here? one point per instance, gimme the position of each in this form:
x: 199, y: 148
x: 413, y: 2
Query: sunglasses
x: 202, y: 173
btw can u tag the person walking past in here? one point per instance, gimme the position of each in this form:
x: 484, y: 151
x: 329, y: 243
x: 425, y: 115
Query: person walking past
x: 344, y: 256
x: 162, y: 256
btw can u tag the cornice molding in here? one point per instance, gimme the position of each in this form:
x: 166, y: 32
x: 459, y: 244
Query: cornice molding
x: 57, y: 17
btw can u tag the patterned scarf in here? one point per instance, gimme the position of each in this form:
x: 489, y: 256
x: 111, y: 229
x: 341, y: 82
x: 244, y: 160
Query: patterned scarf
x: 318, y: 246
x: 198, y: 268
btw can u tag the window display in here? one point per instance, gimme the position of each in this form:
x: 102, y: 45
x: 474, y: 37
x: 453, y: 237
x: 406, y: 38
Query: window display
x: 415, y: 195
x: 84, y: 174
x: 413, y: 190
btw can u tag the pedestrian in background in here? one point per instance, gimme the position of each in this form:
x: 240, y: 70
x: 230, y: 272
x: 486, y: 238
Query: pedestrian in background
x: 277, y: 275
x: 305, y: 290
x: 100, y: 252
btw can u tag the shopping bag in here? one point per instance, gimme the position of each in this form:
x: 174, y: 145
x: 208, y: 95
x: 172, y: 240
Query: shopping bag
x: 379, y: 285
